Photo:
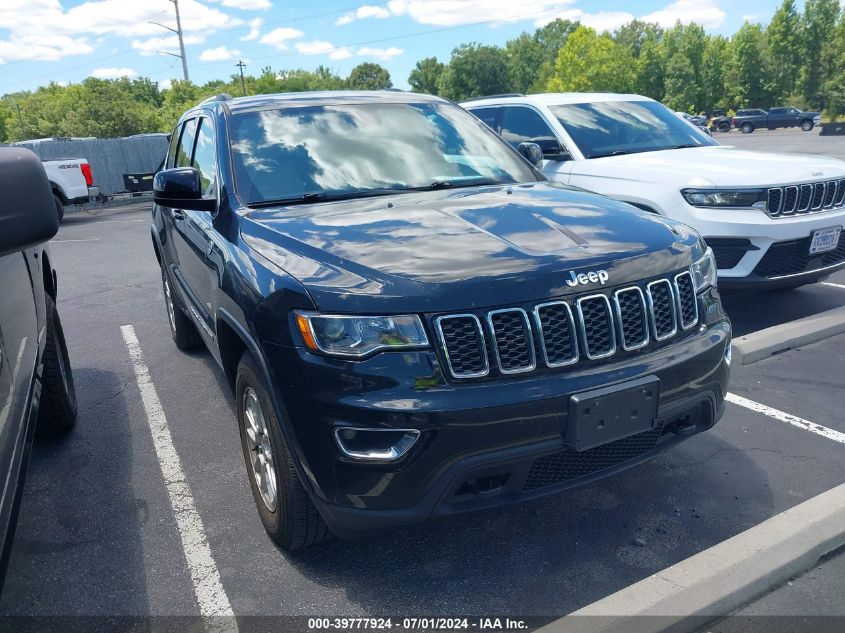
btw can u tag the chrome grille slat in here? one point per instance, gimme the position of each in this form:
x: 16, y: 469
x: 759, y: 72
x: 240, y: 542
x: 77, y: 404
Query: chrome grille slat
x: 557, y: 334
x: 840, y: 194
x: 595, y: 326
x: 662, y: 308
x: 513, y: 341
x: 632, y: 317
x: 598, y: 336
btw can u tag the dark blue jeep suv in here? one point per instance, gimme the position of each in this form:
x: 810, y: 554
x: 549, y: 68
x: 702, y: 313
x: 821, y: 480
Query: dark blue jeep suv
x: 414, y: 322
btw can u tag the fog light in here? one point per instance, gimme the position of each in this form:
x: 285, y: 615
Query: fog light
x: 376, y: 445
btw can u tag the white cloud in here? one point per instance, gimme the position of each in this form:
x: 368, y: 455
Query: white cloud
x: 50, y: 32
x: 315, y: 47
x: 704, y: 12
x: 340, y: 53
x: 246, y: 5
x: 169, y: 44
x: 452, y: 12
x: 362, y: 13
x: 165, y: 84
x: 380, y: 53
x: 113, y: 73
x: 278, y: 37
x: 221, y: 53
x: 254, y: 30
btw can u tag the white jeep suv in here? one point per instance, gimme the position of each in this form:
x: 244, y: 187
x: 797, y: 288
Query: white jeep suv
x: 772, y: 220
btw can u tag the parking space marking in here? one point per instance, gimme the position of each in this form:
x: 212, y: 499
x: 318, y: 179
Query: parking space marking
x: 833, y: 285
x: 794, y: 420
x: 93, y: 239
x: 208, y: 587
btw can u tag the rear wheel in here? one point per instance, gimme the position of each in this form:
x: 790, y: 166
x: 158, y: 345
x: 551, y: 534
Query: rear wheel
x: 747, y: 128
x: 58, y: 408
x: 60, y: 207
x: 286, y: 511
x: 724, y: 126
x: 806, y: 125
x: 184, y: 332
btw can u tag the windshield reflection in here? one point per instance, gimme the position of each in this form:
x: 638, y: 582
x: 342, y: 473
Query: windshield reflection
x: 612, y: 128
x: 297, y: 152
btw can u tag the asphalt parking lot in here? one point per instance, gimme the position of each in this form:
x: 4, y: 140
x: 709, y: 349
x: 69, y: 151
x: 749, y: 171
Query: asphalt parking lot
x: 97, y: 534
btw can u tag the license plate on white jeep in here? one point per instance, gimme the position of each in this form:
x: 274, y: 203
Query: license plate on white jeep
x: 825, y: 240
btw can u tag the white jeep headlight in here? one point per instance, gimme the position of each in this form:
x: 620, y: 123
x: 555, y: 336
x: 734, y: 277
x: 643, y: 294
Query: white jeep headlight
x: 358, y: 336
x: 719, y: 198
x: 704, y: 271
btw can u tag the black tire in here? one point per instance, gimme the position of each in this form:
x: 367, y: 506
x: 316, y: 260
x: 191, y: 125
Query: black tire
x: 747, y: 128
x: 58, y: 408
x: 806, y: 126
x: 724, y: 126
x: 60, y: 207
x: 292, y: 522
x: 182, y: 329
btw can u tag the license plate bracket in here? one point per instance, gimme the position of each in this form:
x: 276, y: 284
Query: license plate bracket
x: 611, y: 413
x: 824, y: 240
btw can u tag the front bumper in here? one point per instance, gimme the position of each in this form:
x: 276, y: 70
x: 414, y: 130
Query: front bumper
x: 477, y: 433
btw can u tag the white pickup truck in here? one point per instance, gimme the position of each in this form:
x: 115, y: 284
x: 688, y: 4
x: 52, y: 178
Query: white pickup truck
x: 72, y: 182
x: 772, y: 220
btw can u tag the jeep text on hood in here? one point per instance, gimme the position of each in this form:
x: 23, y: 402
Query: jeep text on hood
x: 773, y: 220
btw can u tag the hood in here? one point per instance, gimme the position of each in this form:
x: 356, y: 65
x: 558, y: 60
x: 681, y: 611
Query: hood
x: 464, y: 248
x: 714, y: 166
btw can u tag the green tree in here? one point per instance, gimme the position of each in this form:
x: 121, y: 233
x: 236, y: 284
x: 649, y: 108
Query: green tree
x: 473, y: 71
x: 525, y: 60
x: 681, y: 89
x: 425, y: 75
x: 819, y: 48
x: 369, y: 76
x: 751, y: 67
x: 783, y: 36
x: 715, y: 69
x: 551, y: 39
x: 591, y: 62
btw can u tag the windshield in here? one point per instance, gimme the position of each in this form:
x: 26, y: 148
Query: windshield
x: 323, y: 152
x: 611, y: 128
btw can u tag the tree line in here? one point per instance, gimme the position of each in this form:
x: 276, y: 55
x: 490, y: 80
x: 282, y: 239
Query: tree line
x: 797, y: 59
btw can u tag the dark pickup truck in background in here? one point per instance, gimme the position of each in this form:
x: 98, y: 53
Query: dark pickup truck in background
x: 751, y: 119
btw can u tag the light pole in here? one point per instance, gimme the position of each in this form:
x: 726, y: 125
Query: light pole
x: 178, y: 31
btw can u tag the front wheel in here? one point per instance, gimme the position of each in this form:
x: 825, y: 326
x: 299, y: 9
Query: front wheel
x: 806, y: 125
x: 60, y: 207
x: 286, y: 511
x: 747, y: 128
x: 58, y: 408
x: 724, y: 126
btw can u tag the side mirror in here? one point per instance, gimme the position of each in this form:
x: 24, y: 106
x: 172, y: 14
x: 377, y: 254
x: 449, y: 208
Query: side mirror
x: 181, y: 188
x: 532, y: 153
x: 27, y: 210
x: 552, y: 149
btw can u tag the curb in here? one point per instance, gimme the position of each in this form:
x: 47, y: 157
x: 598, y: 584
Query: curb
x: 762, y: 344
x: 723, y: 578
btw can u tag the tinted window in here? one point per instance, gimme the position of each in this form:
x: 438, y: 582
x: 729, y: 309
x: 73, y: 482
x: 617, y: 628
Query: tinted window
x: 524, y: 124
x: 174, y: 140
x: 778, y: 111
x: 487, y: 116
x: 364, y: 149
x: 186, y: 144
x: 608, y: 128
x: 205, y: 159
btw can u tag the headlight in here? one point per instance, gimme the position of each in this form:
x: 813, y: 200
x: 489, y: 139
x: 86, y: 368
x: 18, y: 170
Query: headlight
x: 704, y: 271
x: 717, y: 198
x: 357, y: 336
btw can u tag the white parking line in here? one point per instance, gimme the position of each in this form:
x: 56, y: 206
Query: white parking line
x: 794, y: 420
x: 208, y: 588
x: 833, y: 285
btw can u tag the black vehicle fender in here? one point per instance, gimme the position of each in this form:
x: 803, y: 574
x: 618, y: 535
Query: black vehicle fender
x: 227, y: 353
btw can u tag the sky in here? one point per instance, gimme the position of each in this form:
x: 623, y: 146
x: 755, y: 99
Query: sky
x: 68, y: 40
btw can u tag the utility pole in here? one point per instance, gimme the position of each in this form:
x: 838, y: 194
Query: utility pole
x: 20, y: 120
x: 241, y: 65
x: 178, y: 31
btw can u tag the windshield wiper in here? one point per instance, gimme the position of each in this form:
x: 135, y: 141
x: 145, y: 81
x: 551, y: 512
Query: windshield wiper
x: 463, y: 182
x: 308, y: 198
x: 684, y: 146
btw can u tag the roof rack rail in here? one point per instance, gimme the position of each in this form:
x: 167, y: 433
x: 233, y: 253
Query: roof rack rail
x: 507, y: 94
x: 223, y: 96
